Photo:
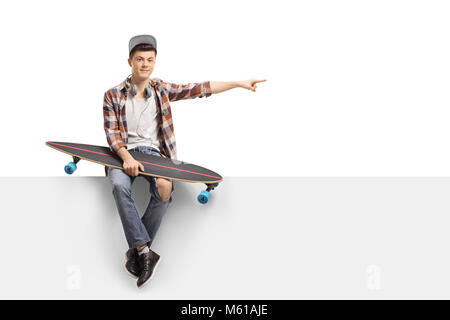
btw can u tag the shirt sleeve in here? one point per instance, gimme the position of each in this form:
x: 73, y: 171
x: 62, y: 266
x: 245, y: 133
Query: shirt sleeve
x: 187, y: 91
x: 111, y: 124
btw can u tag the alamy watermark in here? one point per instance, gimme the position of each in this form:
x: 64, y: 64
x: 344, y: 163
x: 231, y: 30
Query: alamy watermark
x: 73, y: 280
x: 374, y: 277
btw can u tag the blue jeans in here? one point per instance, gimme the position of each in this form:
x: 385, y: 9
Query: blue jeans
x: 138, y: 231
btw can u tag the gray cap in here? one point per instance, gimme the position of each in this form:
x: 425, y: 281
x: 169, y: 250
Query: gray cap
x: 145, y: 38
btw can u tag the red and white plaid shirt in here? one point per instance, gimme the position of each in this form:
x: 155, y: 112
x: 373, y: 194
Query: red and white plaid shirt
x: 114, y: 116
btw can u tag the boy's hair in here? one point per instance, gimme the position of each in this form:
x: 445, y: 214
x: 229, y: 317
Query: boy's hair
x: 142, y: 47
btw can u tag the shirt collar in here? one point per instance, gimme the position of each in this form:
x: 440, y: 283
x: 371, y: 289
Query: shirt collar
x: 153, y: 82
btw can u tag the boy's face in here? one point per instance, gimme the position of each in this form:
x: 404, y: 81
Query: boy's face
x: 142, y: 64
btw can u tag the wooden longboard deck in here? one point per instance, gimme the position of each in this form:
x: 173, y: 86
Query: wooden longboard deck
x: 153, y: 165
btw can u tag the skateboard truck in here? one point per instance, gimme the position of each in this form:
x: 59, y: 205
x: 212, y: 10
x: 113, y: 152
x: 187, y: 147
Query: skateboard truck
x: 203, y: 197
x: 72, y: 166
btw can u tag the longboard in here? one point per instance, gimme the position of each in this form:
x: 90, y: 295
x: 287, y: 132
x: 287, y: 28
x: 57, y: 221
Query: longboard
x: 154, y: 166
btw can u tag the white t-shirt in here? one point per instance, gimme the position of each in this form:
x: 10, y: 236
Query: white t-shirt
x: 142, y: 124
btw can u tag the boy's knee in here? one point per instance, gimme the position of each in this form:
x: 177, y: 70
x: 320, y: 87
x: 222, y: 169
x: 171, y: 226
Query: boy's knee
x: 164, y: 188
x: 118, y: 187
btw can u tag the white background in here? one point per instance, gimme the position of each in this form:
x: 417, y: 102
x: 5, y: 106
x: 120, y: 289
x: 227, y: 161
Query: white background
x: 353, y: 87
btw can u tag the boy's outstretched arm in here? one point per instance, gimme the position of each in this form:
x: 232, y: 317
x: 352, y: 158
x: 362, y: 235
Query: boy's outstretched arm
x: 220, y: 86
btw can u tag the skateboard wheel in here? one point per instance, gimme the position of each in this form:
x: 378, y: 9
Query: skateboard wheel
x: 203, y: 197
x: 70, y: 168
x: 216, y: 185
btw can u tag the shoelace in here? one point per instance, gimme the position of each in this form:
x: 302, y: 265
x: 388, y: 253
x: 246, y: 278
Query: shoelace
x: 146, y: 264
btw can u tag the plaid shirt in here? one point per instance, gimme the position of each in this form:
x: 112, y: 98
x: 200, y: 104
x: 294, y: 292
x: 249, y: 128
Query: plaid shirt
x: 114, y: 116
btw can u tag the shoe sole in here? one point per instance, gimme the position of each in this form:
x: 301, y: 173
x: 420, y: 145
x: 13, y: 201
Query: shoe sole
x: 154, y: 269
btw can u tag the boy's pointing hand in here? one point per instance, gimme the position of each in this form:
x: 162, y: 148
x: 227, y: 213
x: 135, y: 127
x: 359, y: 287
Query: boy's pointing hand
x: 250, y: 84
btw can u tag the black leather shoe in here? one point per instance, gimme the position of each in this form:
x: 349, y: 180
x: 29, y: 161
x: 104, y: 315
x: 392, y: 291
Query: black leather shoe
x: 132, y: 264
x: 148, y: 263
